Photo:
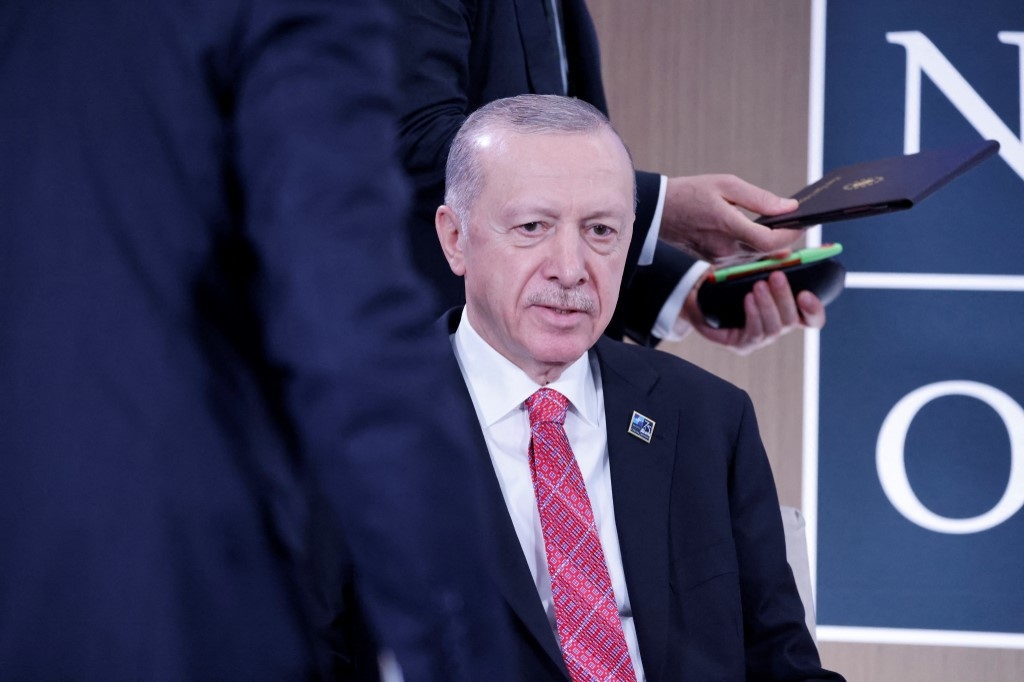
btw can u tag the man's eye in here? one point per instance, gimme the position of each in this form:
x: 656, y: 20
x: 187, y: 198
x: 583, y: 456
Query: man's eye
x: 530, y: 227
x: 602, y: 231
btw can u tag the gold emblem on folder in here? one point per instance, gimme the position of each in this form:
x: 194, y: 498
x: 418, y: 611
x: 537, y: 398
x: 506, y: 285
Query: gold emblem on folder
x: 863, y: 182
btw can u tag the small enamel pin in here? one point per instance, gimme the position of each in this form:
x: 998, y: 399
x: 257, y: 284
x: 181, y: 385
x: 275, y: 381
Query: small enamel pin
x: 641, y: 427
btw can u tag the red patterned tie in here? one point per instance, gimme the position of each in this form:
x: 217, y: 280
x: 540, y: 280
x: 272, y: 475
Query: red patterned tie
x: 593, y: 645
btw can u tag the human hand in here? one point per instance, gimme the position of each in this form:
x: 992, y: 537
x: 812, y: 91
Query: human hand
x: 702, y: 214
x: 771, y: 311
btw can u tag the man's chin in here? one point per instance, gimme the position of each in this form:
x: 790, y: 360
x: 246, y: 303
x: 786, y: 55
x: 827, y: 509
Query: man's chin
x: 559, y: 349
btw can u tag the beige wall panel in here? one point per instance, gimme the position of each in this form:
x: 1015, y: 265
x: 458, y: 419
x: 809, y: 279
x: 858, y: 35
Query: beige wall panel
x: 713, y: 86
x: 891, y: 663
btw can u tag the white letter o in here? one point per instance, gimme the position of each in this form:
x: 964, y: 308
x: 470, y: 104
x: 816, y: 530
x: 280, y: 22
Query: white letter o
x: 891, y: 464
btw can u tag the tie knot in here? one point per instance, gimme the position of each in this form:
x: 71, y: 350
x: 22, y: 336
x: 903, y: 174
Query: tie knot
x: 547, y: 405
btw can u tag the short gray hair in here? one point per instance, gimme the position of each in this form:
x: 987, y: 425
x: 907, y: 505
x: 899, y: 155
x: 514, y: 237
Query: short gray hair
x: 525, y: 115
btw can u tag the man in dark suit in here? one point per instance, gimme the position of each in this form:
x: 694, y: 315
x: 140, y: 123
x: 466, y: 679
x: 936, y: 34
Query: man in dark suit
x: 207, y: 325
x: 637, y: 521
x: 457, y: 55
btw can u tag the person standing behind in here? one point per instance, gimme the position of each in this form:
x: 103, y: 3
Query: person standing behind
x: 207, y: 324
x: 458, y: 55
x: 635, y: 514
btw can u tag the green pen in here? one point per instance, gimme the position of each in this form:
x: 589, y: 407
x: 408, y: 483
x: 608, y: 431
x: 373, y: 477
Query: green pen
x: 801, y: 257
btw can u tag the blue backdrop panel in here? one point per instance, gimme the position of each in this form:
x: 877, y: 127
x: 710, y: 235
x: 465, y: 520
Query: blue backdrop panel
x: 876, y: 567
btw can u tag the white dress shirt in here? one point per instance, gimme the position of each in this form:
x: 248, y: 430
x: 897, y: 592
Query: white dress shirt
x: 670, y: 324
x: 499, y: 390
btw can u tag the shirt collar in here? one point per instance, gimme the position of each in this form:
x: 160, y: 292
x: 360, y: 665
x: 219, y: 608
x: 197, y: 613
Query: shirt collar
x: 499, y: 386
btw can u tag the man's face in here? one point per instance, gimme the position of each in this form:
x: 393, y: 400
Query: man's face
x: 546, y: 244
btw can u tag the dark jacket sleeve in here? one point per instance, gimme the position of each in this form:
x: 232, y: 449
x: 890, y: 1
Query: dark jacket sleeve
x: 646, y: 288
x: 346, y: 323
x: 778, y: 645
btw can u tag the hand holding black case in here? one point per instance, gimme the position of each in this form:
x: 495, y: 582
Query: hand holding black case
x: 722, y: 302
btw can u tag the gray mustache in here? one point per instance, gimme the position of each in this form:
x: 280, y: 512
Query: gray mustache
x: 569, y: 299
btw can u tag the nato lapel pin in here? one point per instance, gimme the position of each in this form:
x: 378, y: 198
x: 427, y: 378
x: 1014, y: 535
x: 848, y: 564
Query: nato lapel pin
x: 641, y: 427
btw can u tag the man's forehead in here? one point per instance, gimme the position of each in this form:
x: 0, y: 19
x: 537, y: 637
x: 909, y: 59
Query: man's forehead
x: 519, y: 155
x: 487, y: 139
x: 510, y: 159
x: 498, y: 137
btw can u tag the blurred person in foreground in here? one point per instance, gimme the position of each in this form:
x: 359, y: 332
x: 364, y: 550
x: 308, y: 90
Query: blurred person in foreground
x: 208, y: 330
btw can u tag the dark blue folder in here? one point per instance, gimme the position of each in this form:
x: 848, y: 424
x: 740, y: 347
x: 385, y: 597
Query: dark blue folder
x: 881, y: 186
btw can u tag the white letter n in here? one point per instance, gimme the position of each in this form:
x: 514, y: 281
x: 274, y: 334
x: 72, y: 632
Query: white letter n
x: 924, y: 57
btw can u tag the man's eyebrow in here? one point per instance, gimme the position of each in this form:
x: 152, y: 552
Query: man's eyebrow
x: 527, y: 206
x: 540, y: 208
x: 608, y: 213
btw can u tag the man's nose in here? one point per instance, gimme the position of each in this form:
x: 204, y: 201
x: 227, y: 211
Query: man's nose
x: 566, y: 262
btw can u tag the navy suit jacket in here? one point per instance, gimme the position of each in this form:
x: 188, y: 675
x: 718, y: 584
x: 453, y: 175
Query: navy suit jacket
x: 207, y: 324
x: 458, y: 55
x: 697, y: 515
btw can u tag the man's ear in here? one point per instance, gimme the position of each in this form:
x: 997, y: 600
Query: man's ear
x: 446, y: 222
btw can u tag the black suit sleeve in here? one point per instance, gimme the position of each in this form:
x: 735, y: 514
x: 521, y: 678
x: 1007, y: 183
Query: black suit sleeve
x: 775, y: 637
x: 434, y: 79
x: 645, y: 289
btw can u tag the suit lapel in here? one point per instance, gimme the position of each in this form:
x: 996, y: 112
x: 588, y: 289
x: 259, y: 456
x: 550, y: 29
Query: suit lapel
x: 539, y: 46
x: 641, y: 476
x: 508, y: 565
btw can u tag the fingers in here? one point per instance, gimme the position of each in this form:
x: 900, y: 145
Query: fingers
x: 761, y: 240
x: 812, y: 310
x: 777, y: 308
x: 785, y: 305
x: 754, y: 198
x: 772, y: 311
x: 764, y: 311
x: 758, y: 311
